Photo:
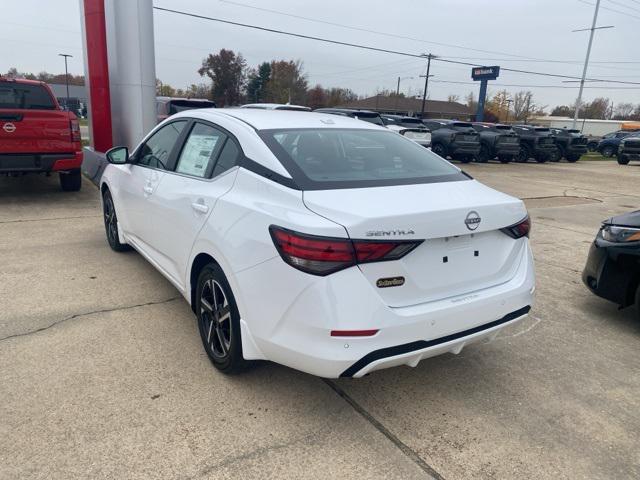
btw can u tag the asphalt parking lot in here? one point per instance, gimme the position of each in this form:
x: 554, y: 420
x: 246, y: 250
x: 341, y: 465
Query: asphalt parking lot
x: 103, y: 375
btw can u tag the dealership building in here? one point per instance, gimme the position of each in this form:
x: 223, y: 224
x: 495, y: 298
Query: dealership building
x: 412, y: 106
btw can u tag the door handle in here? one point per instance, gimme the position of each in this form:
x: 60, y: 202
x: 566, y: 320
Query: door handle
x: 200, y: 207
x: 148, y: 190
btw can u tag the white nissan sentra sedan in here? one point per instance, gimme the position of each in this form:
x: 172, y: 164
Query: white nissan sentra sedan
x: 324, y: 243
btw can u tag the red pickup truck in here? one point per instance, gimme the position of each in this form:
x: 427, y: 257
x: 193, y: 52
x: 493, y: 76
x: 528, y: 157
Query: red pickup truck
x: 36, y: 134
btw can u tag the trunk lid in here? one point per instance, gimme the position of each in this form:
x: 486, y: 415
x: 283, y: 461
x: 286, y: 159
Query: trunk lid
x: 458, y: 255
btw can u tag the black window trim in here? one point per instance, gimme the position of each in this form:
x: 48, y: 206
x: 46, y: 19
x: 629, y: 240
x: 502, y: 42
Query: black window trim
x: 305, y: 183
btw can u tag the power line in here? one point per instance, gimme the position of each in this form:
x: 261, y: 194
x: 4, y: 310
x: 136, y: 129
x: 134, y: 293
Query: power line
x: 610, y: 9
x: 534, y: 86
x: 361, y: 29
x: 623, y: 5
x: 375, y: 49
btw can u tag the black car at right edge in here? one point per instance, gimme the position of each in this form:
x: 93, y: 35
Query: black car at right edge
x: 613, y: 266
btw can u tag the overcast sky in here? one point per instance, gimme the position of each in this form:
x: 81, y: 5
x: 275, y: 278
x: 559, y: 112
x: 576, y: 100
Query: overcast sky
x: 514, y: 33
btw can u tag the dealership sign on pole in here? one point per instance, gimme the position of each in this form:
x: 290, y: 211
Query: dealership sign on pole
x: 483, y: 75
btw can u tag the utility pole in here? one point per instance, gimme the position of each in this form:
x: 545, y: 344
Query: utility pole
x: 426, y: 83
x: 66, y: 73
x: 398, y: 90
x: 586, y: 60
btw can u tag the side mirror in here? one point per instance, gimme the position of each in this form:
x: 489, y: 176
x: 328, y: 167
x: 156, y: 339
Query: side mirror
x: 118, y: 155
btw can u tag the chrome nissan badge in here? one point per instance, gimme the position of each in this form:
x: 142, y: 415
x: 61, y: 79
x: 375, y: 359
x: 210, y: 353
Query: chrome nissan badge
x: 473, y: 220
x: 9, y: 127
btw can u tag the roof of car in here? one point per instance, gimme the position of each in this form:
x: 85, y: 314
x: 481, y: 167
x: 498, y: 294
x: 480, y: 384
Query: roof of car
x: 22, y: 80
x: 261, y: 119
x: 345, y: 110
x: 275, y: 106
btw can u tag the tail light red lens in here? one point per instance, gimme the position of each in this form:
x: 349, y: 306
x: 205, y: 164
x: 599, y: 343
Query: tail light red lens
x: 75, y: 131
x: 324, y: 255
x: 520, y: 229
x: 353, y: 333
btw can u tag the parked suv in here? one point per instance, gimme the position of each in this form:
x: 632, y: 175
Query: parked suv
x: 497, y: 141
x: 410, y: 127
x: 629, y: 149
x: 366, y: 115
x: 451, y: 138
x: 167, y: 106
x: 535, y: 142
x: 572, y: 144
x: 36, y: 134
x: 609, y: 144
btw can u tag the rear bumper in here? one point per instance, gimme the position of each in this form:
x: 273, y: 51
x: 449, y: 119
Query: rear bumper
x: 39, y: 162
x: 464, y: 148
x: 294, y: 328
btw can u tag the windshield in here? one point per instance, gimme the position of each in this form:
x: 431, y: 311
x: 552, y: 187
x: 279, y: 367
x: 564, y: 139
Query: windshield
x: 412, y: 123
x: 23, y: 96
x: 319, y: 159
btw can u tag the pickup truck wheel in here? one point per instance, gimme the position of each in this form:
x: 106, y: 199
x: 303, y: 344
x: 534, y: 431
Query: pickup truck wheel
x: 541, y: 158
x: 592, y: 146
x: 483, y: 156
x: 72, y: 181
x: 623, y: 160
x: 573, y: 158
x: 505, y: 159
x: 111, y: 224
x: 524, y: 154
x: 558, y: 155
x: 439, y: 149
x: 607, y: 151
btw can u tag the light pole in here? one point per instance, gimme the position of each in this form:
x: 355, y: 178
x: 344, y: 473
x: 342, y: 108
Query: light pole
x: 426, y: 82
x: 66, y: 73
x: 586, y: 60
x: 509, y: 102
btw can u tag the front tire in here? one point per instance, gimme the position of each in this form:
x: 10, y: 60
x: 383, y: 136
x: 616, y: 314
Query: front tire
x: 483, y: 156
x: 524, y: 154
x: 219, y: 320
x: 607, y: 152
x: 111, y: 224
x: 623, y: 160
x: 439, y: 149
x: 72, y: 181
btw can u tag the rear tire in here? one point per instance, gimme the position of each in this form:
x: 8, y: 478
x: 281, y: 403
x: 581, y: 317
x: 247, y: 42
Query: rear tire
x: 505, y: 159
x: 72, y: 181
x: 623, y: 160
x: 541, y: 158
x: 524, y: 155
x: 558, y: 155
x: 219, y: 320
x: 573, y: 158
x: 111, y: 224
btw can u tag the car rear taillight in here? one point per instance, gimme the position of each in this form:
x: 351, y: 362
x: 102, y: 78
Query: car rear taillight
x: 324, y: 255
x: 75, y: 130
x: 520, y: 229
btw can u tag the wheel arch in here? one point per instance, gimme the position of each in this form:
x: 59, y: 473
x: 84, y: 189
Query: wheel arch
x: 199, y: 262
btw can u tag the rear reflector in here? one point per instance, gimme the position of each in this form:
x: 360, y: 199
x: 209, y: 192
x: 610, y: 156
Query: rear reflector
x: 75, y: 130
x: 353, y: 333
x: 520, y: 229
x: 324, y: 255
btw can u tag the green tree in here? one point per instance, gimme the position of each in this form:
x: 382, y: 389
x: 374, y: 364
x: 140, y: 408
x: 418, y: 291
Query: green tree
x: 340, y: 96
x: 257, y: 84
x: 287, y: 82
x: 226, y: 69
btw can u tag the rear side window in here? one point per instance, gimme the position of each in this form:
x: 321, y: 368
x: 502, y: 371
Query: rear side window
x: 227, y: 159
x: 25, y: 97
x: 350, y: 158
x: 367, y: 117
x: 199, y: 151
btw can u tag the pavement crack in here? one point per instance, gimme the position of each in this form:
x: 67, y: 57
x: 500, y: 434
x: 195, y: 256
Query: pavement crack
x: 29, y: 220
x: 403, y: 447
x: 78, y: 315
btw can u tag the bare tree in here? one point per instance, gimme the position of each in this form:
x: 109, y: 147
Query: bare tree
x: 453, y: 98
x: 623, y: 111
x: 524, y: 107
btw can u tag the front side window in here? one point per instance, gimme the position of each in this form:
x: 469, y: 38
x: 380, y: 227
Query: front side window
x: 351, y: 158
x: 156, y: 151
x: 199, y: 151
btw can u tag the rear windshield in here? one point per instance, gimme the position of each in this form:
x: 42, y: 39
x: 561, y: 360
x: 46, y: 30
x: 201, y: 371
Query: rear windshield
x: 369, y: 117
x: 542, y: 129
x: 411, y: 122
x: 461, y: 125
x: 503, y: 127
x: 176, y: 106
x: 22, y: 96
x: 322, y: 159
